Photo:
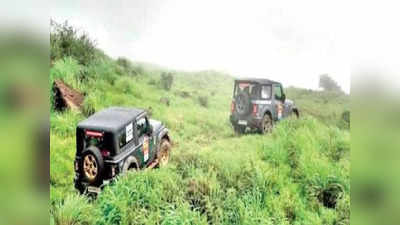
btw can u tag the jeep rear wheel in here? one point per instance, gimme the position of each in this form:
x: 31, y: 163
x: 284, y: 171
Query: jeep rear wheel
x: 92, y: 165
x: 266, y: 124
x: 164, y: 153
x: 294, y: 114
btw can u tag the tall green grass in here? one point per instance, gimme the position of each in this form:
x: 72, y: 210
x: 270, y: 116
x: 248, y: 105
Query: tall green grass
x: 252, y: 179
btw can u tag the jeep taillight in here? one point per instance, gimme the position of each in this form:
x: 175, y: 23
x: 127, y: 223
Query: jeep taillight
x: 232, y: 107
x: 254, y: 109
x: 105, y: 153
x: 93, y: 133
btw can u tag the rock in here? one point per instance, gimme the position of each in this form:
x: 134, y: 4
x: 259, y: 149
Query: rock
x: 66, y: 97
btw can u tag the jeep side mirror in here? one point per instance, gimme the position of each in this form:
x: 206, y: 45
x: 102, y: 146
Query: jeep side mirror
x: 283, y: 97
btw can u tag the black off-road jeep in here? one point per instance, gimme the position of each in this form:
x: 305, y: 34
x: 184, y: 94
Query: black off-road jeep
x: 114, y: 141
x: 258, y: 103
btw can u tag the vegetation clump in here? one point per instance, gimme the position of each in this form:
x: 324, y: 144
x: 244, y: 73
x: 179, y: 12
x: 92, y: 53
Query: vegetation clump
x: 203, y: 100
x: 66, y: 41
x: 166, y: 81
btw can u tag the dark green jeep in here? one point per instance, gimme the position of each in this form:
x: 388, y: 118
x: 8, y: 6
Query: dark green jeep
x: 114, y: 141
x: 258, y: 103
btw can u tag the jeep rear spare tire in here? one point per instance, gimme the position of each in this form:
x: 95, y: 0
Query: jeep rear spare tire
x: 92, y: 165
x: 243, y: 103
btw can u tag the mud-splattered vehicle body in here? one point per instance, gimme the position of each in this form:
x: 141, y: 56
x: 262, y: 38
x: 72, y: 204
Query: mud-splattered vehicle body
x: 258, y: 103
x: 114, y: 141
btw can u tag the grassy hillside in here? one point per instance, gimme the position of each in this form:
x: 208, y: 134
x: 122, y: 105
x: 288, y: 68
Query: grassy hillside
x: 299, y: 174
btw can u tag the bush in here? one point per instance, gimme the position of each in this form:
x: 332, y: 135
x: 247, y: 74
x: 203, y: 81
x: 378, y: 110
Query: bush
x: 90, y: 105
x: 166, y: 81
x: 103, y: 70
x: 127, y: 66
x: 203, y: 100
x: 73, y: 210
x: 65, y: 41
x: 152, y: 82
x: 125, y: 85
x: 344, y: 122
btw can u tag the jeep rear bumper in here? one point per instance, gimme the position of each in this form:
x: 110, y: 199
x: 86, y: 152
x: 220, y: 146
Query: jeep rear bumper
x: 251, y: 121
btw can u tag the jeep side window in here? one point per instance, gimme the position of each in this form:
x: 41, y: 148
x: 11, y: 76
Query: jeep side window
x: 122, y: 139
x: 266, y: 92
x: 141, y: 127
x: 278, y: 91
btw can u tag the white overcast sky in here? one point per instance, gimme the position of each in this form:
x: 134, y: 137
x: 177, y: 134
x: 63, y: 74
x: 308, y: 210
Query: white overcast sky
x: 290, y: 41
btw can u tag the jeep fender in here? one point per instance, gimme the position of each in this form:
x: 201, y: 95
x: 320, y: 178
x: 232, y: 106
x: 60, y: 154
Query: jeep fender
x: 268, y: 110
x: 130, y: 162
x: 162, y: 134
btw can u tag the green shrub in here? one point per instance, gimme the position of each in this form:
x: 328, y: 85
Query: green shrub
x: 73, y: 210
x: 125, y: 85
x: 90, y: 104
x: 65, y: 41
x: 203, y: 100
x: 127, y: 66
x: 103, y: 70
x: 166, y: 81
x: 344, y: 121
x: 67, y: 70
x: 152, y: 82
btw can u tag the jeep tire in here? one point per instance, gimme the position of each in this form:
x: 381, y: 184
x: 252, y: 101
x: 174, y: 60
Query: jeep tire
x: 92, y: 165
x: 294, y: 114
x: 164, y: 153
x: 266, y: 124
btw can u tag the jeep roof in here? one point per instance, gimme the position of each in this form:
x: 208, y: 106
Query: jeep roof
x: 111, y: 119
x: 257, y: 80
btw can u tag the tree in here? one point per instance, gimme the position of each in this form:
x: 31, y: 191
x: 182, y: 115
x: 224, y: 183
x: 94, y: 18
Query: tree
x: 66, y: 41
x: 328, y: 84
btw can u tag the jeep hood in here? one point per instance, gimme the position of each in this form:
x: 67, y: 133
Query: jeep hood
x: 155, y: 124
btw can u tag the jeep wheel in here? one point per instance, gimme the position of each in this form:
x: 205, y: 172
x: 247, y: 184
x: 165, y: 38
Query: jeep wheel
x: 92, y: 165
x: 294, y: 114
x: 163, y: 154
x: 266, y: 124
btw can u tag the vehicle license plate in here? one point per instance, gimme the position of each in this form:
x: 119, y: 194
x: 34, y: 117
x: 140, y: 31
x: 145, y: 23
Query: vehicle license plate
x: 93, y: 189
x: 242, y: 122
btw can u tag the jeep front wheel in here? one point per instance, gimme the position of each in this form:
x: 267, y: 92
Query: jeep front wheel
x: 163, y: 154
x: 266, y: 124
x: 92, y: 165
